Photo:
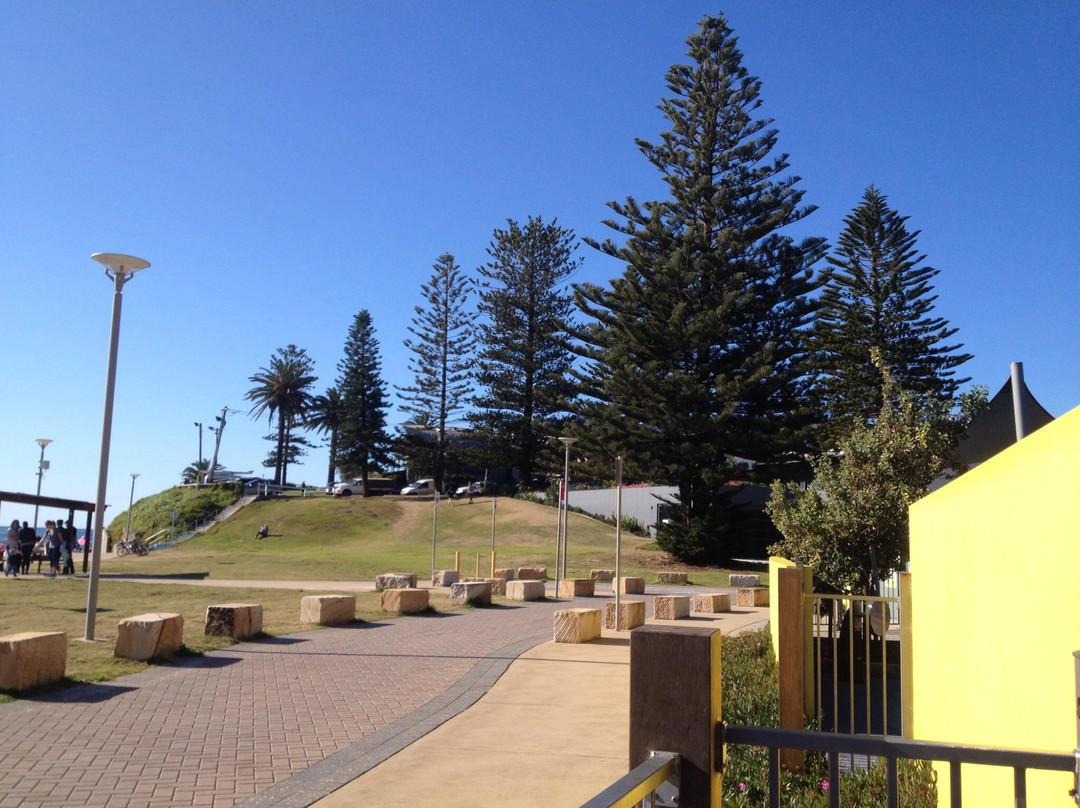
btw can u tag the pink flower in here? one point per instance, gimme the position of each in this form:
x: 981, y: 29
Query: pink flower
x: 825, y: 784
x: 742, y: 786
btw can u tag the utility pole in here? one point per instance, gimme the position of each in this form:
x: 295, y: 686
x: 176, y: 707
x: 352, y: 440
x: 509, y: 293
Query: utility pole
x: 217, y: 441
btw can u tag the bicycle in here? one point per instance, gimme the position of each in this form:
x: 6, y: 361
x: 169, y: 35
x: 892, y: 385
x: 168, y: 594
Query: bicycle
x: 137, y: 546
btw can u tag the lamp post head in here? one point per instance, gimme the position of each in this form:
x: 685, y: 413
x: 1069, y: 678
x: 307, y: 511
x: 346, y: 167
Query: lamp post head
x: 568, y: 442
x: 43, y: 442
x: 119, y: 264
x: 134, y: 474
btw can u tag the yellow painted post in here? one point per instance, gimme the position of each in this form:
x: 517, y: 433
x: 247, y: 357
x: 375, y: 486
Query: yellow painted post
x: 457, y: 561
x: 492, y: 563
x: 907, y: 666
x: 808, y: 640
x: 790, y: 655
x: 477, y: 565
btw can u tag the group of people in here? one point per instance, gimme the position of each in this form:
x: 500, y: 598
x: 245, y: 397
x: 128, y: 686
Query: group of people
x: 22, y: 544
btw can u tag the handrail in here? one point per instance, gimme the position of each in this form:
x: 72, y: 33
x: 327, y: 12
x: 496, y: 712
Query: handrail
x: 632, y: 788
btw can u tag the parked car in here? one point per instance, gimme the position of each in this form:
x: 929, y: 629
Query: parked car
x: 419, y: 487
x: 346, y: 488
x: 475, y: 489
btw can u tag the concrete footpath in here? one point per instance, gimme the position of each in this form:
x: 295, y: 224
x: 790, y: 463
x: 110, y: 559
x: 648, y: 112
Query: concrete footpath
x: 553, y: 731
x: 469, y: 707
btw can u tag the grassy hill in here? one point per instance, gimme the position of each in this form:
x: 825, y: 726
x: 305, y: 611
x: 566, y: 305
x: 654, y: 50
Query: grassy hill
x: 321, y: 538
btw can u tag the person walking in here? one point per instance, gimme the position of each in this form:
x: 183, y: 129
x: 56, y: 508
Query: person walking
x: 67, y: 549
x: 13, y: 551
x: 27, y: 538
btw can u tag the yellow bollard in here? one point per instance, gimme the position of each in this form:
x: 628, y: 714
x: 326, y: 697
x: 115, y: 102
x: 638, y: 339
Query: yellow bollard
x: 477, y: 565
x: 492, y: 563
x: 457, y: 561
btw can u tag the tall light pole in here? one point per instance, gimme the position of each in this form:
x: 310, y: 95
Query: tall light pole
x: 42, y: 465
x: 119, y: 269
x: 198, y: 463
x: 567, y: 442
x: 131, y: 501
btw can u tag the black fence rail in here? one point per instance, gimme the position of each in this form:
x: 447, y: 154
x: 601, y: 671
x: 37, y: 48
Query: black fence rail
x: 892, y: 749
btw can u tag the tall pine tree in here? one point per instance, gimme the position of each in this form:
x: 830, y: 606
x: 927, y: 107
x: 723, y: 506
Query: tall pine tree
x: 442, y: 357
x: 878, y: 301
x: 523, y: 363
x: 363, y: 443
x: 694, y: 356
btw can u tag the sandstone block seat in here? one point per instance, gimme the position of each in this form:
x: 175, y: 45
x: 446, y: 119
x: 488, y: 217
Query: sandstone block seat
x: 525, y: 589
x: 405, y: 601
x: 471, y: 593
x: 443, y: 578
x: 752, y: 596
x: 630, y: 586
x: 498, y: 585
x: 576, y: 588
x: 631, y: 615
x: 712, y: 602
x: 32, y: 658
x: 237, y: 620
x: 602, y: 575
x: 154, y: 635
x: 396, y: 580
x: 671, y: 578
x: 577, y: 625
x: 327, y: 610
x: 744, y: 580
x: 532, y: 573
x: 506, y: 574
x: 671, y: 607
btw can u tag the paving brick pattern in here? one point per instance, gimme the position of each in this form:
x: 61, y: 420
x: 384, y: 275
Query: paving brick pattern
x: 234, y: 725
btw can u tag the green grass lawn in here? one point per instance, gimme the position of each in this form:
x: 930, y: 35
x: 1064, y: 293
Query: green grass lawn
x: 314, y: 538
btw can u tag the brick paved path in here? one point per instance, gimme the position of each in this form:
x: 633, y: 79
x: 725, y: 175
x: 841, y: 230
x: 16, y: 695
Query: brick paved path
x: 279, y: 722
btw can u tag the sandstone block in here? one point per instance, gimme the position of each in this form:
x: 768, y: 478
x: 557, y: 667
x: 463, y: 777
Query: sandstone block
x: 712, y: 602
x: 576, y: 588
x: 327, y: 610
x: 525, y: 589
x: 532, y: 573
x: 631, y: 615
x: 405, y: 601
x: 238, y: 620
x: 32, y: 658
x: 671, y: 578
x: 758, y: 596
x: 631, y: 586
x: 602, y: 575
x: 577, y: 625
x: 744, y: 580
x: 505, y: 574
x: 396, y: 580
x: 445, y: 577
x: 498, y: 585
x: 471, y: 593
x: 671, y: 607
x: 149, y: 636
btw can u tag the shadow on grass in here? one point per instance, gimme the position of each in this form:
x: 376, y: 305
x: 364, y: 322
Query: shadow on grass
x: 171, y: 576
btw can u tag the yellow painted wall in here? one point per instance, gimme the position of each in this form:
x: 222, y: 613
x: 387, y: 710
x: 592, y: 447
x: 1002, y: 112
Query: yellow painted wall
x: 995, y: 562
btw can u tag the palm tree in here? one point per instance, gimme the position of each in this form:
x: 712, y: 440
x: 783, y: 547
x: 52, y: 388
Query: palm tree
x: 324, y: 416
x: 197, y: 471
x: 282, y: 390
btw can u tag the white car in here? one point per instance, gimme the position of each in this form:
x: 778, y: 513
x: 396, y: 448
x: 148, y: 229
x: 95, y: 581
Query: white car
x: 419, y: 487
x: 346, y: 488
x: 472, y: 488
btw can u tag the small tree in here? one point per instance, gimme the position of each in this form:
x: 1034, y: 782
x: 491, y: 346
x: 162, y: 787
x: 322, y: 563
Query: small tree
x: 363, y: 443
x: 853, y: 517
x: 441, y: 362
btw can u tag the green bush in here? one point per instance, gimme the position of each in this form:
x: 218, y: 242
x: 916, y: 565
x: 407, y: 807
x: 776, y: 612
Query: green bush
x: 751, y: 688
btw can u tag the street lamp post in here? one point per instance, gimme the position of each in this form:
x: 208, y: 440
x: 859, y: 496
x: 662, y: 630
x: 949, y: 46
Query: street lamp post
x: 131, y: 501
x: 119, y: 269
x: 567, y: 442
x: 198, y: 463
x: 42, y: 465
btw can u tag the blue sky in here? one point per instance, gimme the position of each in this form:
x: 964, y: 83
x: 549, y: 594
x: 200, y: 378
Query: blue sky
x: 284, y: 165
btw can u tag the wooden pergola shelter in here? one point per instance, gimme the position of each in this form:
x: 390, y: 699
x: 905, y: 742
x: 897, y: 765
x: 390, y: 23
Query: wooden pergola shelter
x: 69, y: 505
